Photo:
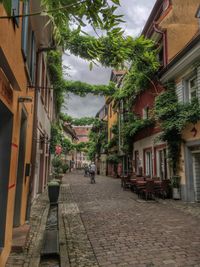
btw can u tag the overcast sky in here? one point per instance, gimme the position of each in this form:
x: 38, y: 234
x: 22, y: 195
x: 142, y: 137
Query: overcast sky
x: 135, y: 14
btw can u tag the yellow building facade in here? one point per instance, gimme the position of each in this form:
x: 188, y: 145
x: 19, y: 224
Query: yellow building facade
x: 16, y: 116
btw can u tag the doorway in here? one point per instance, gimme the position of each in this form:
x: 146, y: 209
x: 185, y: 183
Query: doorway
x: 20, y: 169
x: 6, y: 127
x: 196, y: 172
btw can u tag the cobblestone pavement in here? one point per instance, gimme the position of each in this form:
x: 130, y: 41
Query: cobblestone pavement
x: 30, y: 257
x: 125, y: 231
x: 102, y: 225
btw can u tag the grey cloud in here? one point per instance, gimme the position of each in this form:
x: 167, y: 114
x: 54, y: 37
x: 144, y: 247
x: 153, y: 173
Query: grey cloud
x: 83, y: 106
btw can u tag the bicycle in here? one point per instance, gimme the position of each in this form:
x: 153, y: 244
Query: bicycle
x: 92, y: 177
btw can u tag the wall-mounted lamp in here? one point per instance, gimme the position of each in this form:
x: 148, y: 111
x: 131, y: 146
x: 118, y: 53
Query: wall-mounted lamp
x: 27, y: 99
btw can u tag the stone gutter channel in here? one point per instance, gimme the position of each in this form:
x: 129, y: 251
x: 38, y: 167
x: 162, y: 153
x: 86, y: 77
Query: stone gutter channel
x: 50, y: 253
x: 65, y: 241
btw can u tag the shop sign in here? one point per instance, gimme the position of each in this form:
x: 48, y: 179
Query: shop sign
x: 5, y: 90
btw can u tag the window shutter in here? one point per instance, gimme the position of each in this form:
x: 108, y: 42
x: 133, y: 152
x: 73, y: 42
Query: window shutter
x: 25, y: 21
x: 33, y: 57
x: 179, y: 91
x: 15, y: 10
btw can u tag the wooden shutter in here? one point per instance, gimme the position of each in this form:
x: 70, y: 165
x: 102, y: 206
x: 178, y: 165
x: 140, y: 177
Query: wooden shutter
x: 179, y: 91
x: 25, y: 21
x: 33, y: 57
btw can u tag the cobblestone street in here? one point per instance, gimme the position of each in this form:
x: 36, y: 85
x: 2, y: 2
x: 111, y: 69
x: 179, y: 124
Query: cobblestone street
x: 102, y: 225
x: 125, y: 231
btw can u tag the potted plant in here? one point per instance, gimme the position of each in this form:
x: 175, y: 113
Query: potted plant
x: 57, y: 167
x: 53, y: 190
x: 65, y: 167
x: 176, y: 187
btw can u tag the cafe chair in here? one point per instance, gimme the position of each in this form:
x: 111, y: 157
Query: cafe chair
x: 148, y: 191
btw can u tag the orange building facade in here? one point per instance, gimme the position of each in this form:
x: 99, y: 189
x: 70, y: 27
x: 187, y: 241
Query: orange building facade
x: 17, y: 70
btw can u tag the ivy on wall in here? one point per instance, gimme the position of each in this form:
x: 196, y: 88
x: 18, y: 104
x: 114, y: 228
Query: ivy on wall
x: 174, y: 117
x: 97, y: 139
x: 131, y: 126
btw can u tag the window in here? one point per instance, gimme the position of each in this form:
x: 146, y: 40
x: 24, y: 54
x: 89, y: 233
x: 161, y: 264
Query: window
x: 161, y: 55
x: 148, y: 163
x: 192, y: 86
x: 25, y: 21
x: 32, y: 58
x: 146, y: 112
x: 137, y: 162
x: 161, y: 163
x: 15, y: 11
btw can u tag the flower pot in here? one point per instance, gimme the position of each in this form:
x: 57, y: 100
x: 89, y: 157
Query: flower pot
x: 176, y: 193
x: 53, y: 193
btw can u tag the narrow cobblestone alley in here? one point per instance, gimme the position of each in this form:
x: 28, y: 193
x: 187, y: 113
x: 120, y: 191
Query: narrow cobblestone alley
x: 125, y: 231
x: 102, y: 225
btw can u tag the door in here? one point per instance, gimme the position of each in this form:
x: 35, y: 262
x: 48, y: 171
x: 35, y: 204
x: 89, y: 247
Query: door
x: 196, y: 171
x: 20, y: 169
x: 6, y: 126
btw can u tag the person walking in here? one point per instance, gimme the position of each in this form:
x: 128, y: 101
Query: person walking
x: 92, y: 172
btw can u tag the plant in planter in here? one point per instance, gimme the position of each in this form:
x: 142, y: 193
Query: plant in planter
x: 57, y: 167
x: 53, y: 190
x: 176, y: 186
x: 65, y: 167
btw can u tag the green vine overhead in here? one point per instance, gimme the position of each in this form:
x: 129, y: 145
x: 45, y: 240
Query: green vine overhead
x: 174, y: 117
x: 99, y: 14
x: 144, y: 65
x: 65, y: 14
x: 78, y: 121
x: 82, y: 89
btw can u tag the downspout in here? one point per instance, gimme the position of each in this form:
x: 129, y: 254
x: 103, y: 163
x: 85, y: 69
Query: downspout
x: 34, y: 144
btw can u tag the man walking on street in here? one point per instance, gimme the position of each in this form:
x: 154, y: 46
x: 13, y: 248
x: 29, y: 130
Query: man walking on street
x: 92, y: 172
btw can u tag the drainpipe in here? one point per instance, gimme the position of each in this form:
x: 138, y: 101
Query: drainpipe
x: 34, y: 144
x: 164, y: 36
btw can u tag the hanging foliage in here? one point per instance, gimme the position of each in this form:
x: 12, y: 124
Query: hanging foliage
x: 84, y: 121
x: 130, y: 127
x: 144, y: 64
x: 97, y: 139
x: 77, y: 14
x: 82, y: 89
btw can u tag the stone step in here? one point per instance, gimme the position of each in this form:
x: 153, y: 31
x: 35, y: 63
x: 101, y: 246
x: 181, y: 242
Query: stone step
x: 20, y: 235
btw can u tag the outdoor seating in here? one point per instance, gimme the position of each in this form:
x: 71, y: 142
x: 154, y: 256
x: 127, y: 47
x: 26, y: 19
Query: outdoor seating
x: 148, y: 190
x: 163, y: 190
x: 125, y: 182
x: 140, y: 185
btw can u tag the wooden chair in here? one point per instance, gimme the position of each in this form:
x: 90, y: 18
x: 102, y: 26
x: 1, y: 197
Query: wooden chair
x: 165, y: 189
x: 149, y: 190
x: 127, y: 183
